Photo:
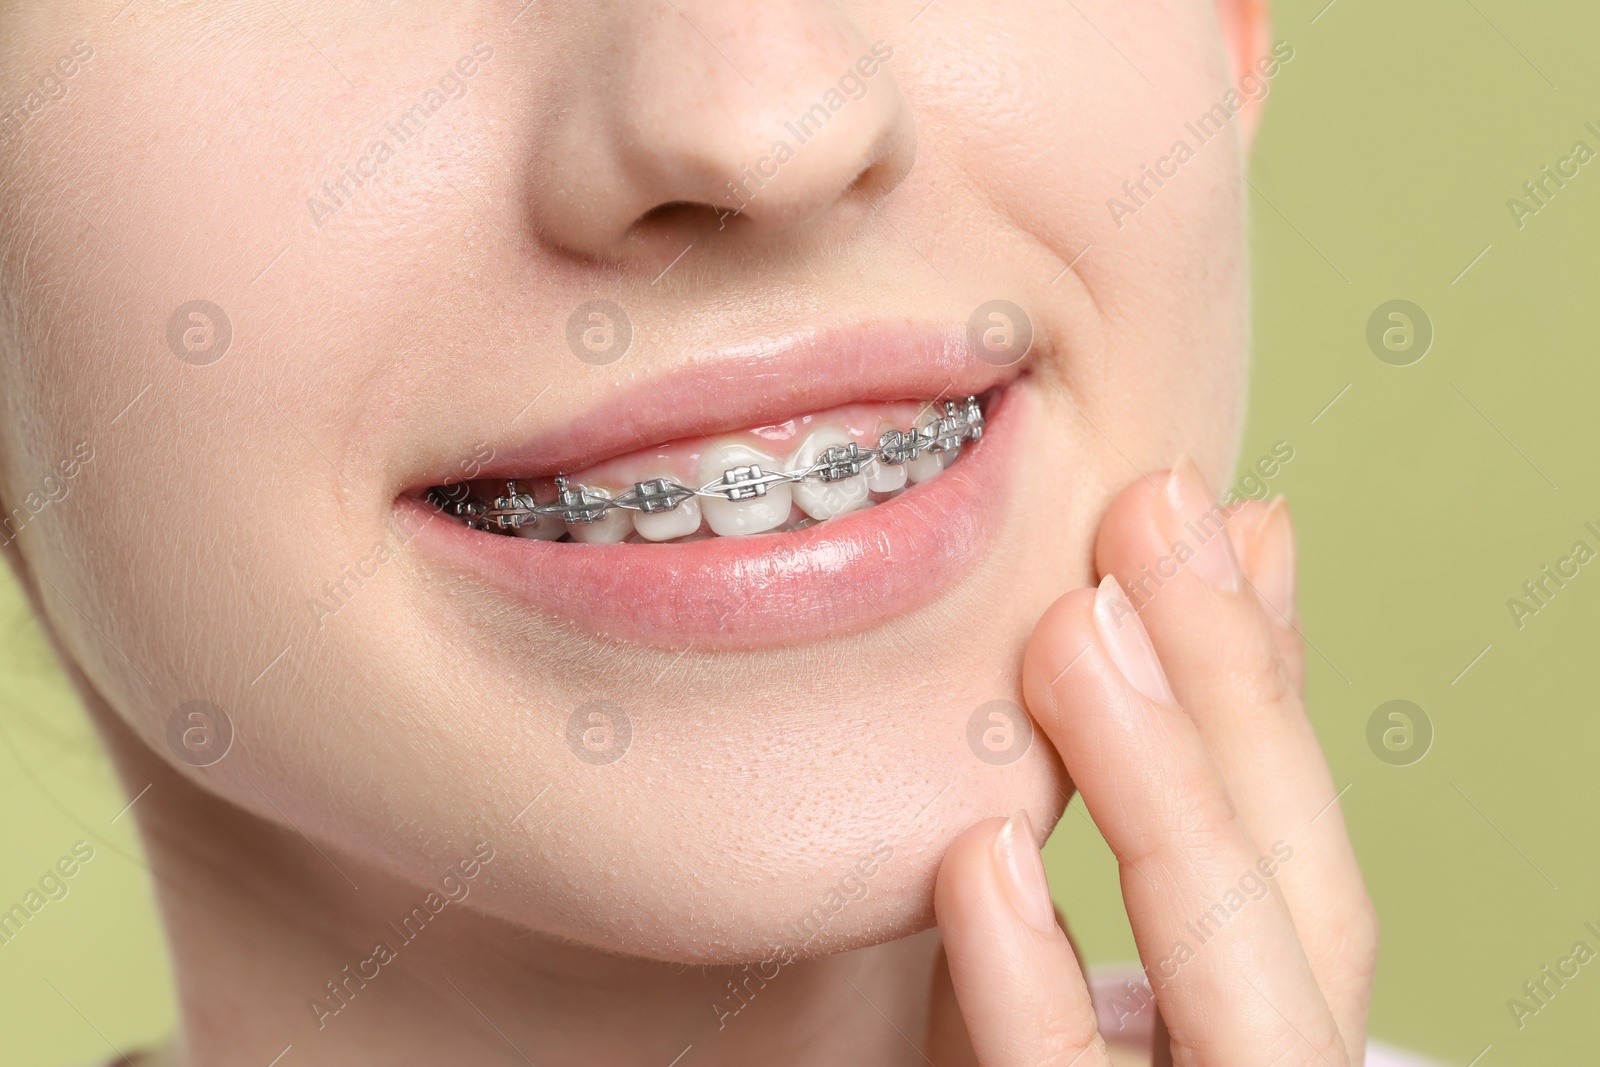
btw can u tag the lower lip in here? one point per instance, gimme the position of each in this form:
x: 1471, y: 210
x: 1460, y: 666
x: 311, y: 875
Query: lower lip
x: 836, y: 578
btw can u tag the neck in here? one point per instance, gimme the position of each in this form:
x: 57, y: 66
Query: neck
x: 281, y: 944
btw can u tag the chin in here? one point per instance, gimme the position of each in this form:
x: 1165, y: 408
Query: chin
x: 813, y: 843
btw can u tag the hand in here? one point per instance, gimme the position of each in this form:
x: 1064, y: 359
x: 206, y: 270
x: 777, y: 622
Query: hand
x: 1196, y: 760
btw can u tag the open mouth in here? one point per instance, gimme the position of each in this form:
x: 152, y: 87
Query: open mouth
x: 783, y: 477
x: 872, y: 473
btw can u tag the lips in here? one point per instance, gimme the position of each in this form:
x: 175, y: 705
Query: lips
x: 840, y: 576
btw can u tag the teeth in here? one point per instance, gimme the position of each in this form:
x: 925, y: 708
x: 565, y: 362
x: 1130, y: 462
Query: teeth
x: 548, y: 528
x: 884, y: 477
x: 613, y: 527
x: 927, y: 465
x: 820, y: 499
x: 741, y: 489
x: 681, y: 521
x: 733, y: 517
x: 923, y: 468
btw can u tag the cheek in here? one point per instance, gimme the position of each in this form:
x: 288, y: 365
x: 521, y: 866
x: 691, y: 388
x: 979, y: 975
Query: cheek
x: 1154, y: 312
x: 242, y: 492
x: 235, y: 375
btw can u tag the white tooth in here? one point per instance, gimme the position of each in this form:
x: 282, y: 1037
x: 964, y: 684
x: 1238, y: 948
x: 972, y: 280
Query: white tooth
x: 884, y: 477
x: 927, y: 465
x: 820, y: 499
x: 924, y: 467
x: 613, y: 528
x: 757, y: 515
x: 548, y: 528
x: 681, y: 521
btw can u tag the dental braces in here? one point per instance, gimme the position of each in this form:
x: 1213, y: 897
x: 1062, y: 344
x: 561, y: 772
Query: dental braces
x: 961, y: 422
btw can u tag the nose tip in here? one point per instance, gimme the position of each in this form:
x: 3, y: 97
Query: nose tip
x: 791, y: 121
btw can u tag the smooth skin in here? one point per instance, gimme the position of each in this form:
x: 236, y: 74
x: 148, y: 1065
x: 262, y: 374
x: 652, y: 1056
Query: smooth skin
x: 1184, y: 726
x: 390, y: 338
x: 1193, y: 766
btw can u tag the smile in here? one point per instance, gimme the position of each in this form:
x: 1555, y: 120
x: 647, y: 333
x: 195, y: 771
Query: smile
x: 843, y: 503
x: 749, y: 490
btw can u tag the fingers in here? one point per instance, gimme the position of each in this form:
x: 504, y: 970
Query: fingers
x: 1231, y: 979
x: 1225, y: 638
x: 1262, y: 536
x: 1022, y: 994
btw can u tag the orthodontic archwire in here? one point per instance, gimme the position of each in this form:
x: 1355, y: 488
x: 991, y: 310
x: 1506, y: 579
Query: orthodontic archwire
x: 961, y: 423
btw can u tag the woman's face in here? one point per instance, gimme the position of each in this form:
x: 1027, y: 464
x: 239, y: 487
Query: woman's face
x: 273, y: 271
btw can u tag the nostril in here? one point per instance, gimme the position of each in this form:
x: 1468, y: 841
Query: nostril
x: 864, y: 192
x: 891, y: 160
x: 786, y: 190
x: 671, y: 212
x: 676, y: 217
x: 875, y: 182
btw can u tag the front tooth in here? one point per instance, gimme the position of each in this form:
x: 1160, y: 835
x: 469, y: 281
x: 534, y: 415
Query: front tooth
x: 923, y: 468
x: 884, y: 477
x: 927, y: 465
x: 820, y: 499
x: 613, y: 528
x: 756, y: 515
x: 681, y: 521
x: 547, y: 528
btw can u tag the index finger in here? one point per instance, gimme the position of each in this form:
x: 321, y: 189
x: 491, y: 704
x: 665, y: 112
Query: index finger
x: 1217, y: 940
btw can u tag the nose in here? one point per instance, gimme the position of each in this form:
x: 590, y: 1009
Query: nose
x: 678, y: 117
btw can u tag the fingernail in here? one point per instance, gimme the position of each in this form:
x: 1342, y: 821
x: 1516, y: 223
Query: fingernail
x: 1022, y: 873
x: 1197, y: 521
x: 1272, y: 560
x: 1127, y: 642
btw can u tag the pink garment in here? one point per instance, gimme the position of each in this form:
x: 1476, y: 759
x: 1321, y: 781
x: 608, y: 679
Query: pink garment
x: 1125, y: 1010
x: 1377, y: 1056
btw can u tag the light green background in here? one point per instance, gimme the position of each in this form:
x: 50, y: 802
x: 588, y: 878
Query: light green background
x: 1425, y: 496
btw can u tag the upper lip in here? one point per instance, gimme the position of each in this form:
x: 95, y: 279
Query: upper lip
x: 754, y: 384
